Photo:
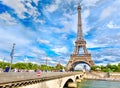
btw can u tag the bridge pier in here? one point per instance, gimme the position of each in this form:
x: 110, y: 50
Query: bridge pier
x: 78, y: 80
x: 72, y: 85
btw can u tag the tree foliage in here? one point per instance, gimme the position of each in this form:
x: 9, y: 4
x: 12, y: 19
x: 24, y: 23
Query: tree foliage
x: 107, y: 68
x: 31, y: 66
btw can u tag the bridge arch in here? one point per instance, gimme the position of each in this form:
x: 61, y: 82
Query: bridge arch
x: 80, y: 76
x: 77, y: 77
x: 66, y: 84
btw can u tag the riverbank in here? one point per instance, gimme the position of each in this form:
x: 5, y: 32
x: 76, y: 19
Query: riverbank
x: 103, y: 76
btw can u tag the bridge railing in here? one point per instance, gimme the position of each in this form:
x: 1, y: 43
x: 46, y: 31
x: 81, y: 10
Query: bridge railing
x: 23, y: 76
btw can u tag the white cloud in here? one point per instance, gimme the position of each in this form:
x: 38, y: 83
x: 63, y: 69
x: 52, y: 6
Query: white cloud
x: 69, y: 26
x: 111, y: 25
x: 26, y: 60
x: 115, y: 63
x: 72, y: 25
x: 43, y: 41
x: 5, y: 57
x: 110, y: 10
x: 90, y: 2
x: 64, y: 36
x: 57, y: 1
x: 91, y: 44
x: 35, y: 1
x: 7, y: 19
x: 59, y: 50
x: 38, y: 51
x: 35, y: 62
x: 32, y: 11
x: 39, y: 20
x: 53, y: 7
x: 72, y: 1
x: 107, y: 12
x: 106, y: 55
x: 16, y: 34
x: 8, y: 40
x: 19, y: 7
x: 1, y: 60
x: 56, y: 30
x: 46, y: 58
x: 85, y: 26
x: 53, y: 62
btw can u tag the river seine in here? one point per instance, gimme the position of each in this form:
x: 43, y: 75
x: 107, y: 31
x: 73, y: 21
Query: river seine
x: 98, y: 84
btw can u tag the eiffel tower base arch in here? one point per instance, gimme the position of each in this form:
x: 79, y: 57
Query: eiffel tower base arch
x: 75, y: 59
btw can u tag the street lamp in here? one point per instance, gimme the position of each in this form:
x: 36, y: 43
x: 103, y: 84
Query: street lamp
x: 3, y: 63
x: 46, y: 62
x: 11, y: 55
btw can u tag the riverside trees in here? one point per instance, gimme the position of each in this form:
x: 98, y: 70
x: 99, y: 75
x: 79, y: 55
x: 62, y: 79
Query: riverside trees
x: 107, y: 68
x: 31, y: 66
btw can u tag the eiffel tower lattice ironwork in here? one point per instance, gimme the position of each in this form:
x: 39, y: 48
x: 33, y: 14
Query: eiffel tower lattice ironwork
x: 80, y: 43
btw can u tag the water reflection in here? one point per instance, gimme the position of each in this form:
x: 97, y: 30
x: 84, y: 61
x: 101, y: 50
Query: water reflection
x: 98, y: 84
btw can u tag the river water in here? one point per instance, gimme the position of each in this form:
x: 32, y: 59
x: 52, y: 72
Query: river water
x: 98, y: 84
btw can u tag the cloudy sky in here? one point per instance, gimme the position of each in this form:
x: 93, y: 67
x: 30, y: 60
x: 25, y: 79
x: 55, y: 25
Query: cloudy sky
x: 47, y: 29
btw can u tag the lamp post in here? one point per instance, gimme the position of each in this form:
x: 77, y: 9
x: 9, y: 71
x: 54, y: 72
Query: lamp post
x: 46, y: 61
x: 11, y: 55
x: 3, y: 63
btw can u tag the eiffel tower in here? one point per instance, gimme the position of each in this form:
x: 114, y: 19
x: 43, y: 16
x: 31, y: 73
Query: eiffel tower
x: 80, y: 43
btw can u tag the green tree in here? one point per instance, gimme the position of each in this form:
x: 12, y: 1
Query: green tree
x: 20, y: 65
x: 4, y: 64
x: 95, y: 68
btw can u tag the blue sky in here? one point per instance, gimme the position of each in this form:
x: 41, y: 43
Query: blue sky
x: 47, y: 29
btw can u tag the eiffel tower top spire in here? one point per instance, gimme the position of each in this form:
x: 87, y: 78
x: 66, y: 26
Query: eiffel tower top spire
x: 79, y: 30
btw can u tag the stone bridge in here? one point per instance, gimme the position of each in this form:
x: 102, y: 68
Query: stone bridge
x: 45, y: 80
